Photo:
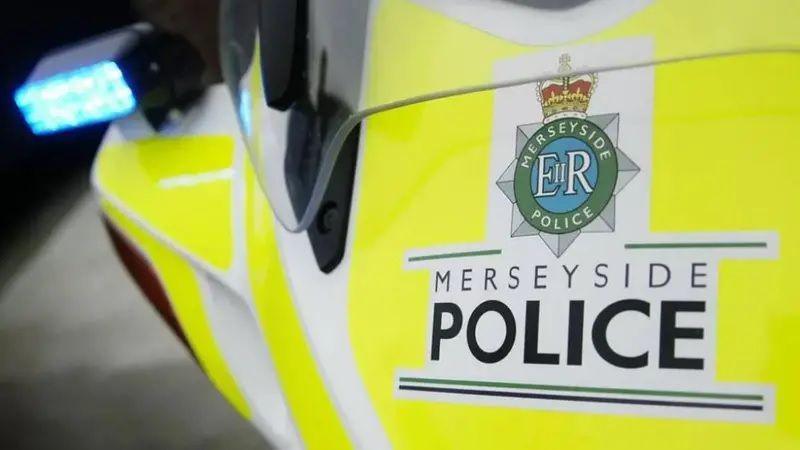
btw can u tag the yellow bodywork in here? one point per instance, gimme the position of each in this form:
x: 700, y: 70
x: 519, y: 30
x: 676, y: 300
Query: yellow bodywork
x: 178, y: 210
x: 180, y: 283
x: 415, y: 157
x: 310, y: 403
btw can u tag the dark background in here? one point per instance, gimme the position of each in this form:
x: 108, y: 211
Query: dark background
x: 36, y: 169
x: 85, y: 362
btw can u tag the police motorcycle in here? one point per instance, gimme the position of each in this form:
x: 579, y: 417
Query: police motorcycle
x: 469, y: 223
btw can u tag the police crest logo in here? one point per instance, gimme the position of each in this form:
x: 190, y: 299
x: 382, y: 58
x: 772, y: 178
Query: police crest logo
x: 623, y: 320
x: 567, y: 169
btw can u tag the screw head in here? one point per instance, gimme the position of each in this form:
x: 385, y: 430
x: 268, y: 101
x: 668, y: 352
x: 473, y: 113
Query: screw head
x: 328, y: 218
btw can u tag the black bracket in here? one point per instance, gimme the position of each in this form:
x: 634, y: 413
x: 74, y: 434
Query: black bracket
x: 328, y: 232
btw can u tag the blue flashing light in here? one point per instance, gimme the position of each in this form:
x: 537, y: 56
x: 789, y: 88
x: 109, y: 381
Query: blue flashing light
x: 91, y: 94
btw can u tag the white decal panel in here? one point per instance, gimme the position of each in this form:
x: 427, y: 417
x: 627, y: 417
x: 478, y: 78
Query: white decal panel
x: 571, y: 303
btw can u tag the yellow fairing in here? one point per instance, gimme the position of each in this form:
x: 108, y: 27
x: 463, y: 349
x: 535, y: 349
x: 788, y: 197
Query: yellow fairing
x: 415, y: 51
x: 309, y: 402
x: 178, y: 186
x: 180, y: 282
x: 166, y: 193
x: 423, y: 183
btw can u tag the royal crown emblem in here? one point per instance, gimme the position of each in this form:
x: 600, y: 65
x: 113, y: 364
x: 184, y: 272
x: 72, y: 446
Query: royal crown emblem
x: 568, y: 95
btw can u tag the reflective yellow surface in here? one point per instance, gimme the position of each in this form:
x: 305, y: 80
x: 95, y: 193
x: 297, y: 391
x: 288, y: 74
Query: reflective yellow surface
x: 178, y: 186
x: 309, y: 402
x: 725, y: 159
x: 415, y: 51
x: 180, y: 282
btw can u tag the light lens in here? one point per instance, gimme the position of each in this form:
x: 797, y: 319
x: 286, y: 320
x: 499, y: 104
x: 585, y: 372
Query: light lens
x: 88, y: 95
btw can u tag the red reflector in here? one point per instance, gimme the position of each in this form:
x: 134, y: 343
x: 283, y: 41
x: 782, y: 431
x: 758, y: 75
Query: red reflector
x: 146, y: 278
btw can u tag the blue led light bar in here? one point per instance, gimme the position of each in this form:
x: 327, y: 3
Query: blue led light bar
x: 87, y: 95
